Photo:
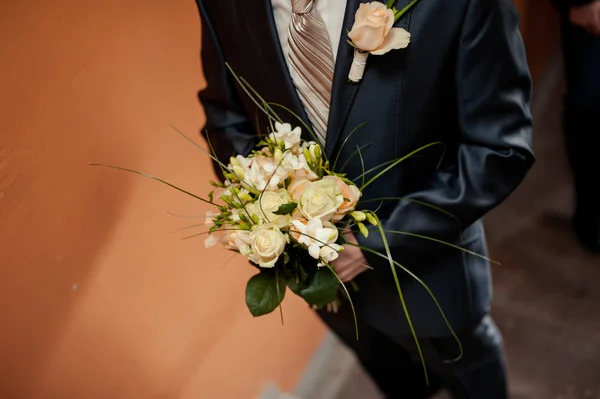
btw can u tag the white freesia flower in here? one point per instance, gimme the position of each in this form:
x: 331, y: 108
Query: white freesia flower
x: 329, y: 253
x: 208, y: 220
x: 320, y: 199
x: 269, y: 202
x: 239, y: 166
x: 303, y: 171
x: 286, y: 160
x: 284, y: 133
x: 267, y: 243
x: 239, y: 240
x: 263, y: 172
x: 213, y: 239
x: 319, y: 237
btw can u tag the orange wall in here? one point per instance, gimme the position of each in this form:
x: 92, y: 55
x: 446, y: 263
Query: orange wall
x: 98, y: 299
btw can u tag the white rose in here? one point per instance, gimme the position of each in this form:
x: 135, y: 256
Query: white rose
x: 267, y: 243
x: 269, y: 202
x: 284, y: 133
x: 321, y: 199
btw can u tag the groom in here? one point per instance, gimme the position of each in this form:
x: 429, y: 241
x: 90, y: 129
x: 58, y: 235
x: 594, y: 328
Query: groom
x: 463, y: 80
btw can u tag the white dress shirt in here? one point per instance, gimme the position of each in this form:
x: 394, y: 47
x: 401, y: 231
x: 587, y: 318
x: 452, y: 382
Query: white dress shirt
x: 332, y: 12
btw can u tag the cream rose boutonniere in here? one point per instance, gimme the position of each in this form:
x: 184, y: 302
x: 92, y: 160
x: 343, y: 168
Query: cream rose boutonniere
x: 373, y: 33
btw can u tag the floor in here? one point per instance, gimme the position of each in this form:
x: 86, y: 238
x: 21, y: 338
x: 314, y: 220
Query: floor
x: 546, y: 290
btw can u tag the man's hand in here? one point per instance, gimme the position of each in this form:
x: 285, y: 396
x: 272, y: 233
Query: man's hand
x: 587, y: 16
x: 351, y: 262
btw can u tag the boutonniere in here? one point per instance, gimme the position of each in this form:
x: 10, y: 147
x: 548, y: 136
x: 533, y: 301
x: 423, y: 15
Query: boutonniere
x: 373, y: 33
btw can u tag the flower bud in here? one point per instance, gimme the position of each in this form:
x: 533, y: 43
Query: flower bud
x: 359, y: 216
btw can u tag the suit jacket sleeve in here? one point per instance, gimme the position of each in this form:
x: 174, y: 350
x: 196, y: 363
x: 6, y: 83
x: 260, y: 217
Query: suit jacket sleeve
x: 494, y: 153
x: 227, y: 126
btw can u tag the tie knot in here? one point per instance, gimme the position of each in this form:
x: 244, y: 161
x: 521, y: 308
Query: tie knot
x: 302, y: 6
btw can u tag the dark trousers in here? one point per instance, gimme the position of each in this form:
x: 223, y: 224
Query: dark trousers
x: 394, y: 365
x: 582, y: 118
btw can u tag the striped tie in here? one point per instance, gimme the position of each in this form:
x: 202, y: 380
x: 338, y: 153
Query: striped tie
x: 311, y: 63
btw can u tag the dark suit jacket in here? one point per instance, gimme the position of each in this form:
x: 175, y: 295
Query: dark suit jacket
x: 463, y: 80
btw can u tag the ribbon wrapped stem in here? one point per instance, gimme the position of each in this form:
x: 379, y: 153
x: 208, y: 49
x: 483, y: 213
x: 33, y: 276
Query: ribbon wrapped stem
x: 357, y: 70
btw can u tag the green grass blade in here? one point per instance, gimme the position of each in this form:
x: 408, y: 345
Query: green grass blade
x: 425, y: 204
x: 349, y: 299
x: 404, y: 307
x: 362, y: 147
x: 405, y: 233
x: 191, y: 226
x: 186, y: 216
x: 435, y: 301
x: 344, y: 143
x: 362, y: 163
x: 256, y: 101
x: 278, y: 295
x: 155, y: 179
x: 398, y: 161
x: 265, y: 104
x: 372, y: 170
x: 198, y: 146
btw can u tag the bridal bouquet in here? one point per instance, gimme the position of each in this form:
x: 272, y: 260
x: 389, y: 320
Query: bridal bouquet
x: 285, y: 211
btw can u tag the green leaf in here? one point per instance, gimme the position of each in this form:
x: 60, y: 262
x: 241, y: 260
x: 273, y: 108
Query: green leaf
x: 210, y: 196
x: 295, y: 285
x: 286, y: 209
x: 262, y: 295
x: 322, y: 289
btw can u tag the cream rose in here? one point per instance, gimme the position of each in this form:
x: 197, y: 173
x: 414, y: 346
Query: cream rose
x: 267, y: 243
x: 372, y: 30
x: 320, y: 199
x: 351, y: 195
x: 269, y: 202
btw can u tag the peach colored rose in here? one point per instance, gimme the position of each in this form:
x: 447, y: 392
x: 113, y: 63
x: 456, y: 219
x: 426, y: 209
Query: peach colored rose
x: 351, y: 195
x: 373, y: 30
x: 297, y: 188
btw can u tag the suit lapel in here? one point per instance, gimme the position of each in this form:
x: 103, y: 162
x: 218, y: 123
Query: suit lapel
x: 276, y: 85
x: 344, y: 92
